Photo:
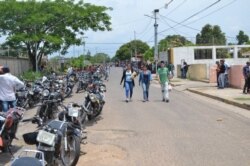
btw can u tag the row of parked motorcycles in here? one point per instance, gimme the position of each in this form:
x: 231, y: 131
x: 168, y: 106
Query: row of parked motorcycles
x: 60, y: 128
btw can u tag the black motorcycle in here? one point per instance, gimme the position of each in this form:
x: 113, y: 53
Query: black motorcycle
x: 58, y: 140
x: 94, y: 102
x: 51, y: 102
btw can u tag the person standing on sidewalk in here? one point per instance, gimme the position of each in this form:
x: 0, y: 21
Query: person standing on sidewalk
x: 246, y: 74
x: 217, y: 72
x: 8, y: 83
x: 144, y: 80
x: 227, y: 68
x: 128, y: 82
x: 163, y: 74
x: 222, y: 75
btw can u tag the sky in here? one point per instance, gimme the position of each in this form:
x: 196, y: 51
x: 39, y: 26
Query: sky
x: 129, y: 21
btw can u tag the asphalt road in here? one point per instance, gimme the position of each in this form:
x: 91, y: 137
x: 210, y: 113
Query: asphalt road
x: 190, y: 130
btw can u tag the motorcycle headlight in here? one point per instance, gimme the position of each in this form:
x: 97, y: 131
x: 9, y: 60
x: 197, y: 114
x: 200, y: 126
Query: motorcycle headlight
x: 46, y: 93
x: 46, y: 138
x: 102, y: 88
x: 86, y: 95
x: 31, y: 92
x: 92, y: 97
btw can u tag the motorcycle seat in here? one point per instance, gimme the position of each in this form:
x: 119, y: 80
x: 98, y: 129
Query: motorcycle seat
x: 27, y: 161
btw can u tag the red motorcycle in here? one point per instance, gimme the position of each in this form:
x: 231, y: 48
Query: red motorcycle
x: 8, y: 127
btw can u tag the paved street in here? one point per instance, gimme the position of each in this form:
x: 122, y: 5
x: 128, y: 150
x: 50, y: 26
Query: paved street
x: 191, y: 130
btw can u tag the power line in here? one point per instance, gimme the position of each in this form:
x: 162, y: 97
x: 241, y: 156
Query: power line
x: 214, y: 11
x: 171, y: 11
x: 200, y: 11
x: 177, y: 23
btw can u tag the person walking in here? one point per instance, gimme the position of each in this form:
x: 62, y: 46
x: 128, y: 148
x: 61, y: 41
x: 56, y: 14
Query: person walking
x: 246, y: 74
x: 222, y: 75
x: 9, y: 84
x: 163, y: 74
x: 144, y: 80
x: 128, y: 82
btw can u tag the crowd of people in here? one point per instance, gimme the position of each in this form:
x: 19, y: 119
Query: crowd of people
x: 145, y: 77
x: 222, y: 74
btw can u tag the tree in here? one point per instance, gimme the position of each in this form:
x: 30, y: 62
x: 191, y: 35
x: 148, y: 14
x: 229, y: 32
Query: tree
x: 149, y: 55
x: 242, y: 38
x: 173, y: 41
x: 100, y: 58
x: 211, y: 35
x: 127, y: 50
x: 45, y: 27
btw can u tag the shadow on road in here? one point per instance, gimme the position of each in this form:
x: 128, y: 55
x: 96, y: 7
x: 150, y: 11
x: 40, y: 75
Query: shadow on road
x: 94, y: 121
x: 6, y: 157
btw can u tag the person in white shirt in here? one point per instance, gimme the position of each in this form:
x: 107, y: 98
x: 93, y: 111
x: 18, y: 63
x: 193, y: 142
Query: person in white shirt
x: 9, y: 84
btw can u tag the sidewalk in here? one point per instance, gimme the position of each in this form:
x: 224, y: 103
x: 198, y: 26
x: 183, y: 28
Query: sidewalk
x: 228, y: 95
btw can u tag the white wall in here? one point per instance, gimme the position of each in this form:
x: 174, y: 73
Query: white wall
x: 187, y: 53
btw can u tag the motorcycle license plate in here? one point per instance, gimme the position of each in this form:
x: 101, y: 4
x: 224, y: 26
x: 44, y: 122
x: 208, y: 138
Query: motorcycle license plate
x: 46, y: 137
x: 73, y: 112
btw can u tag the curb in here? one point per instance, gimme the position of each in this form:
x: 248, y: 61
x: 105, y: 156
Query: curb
x: 244, y: 106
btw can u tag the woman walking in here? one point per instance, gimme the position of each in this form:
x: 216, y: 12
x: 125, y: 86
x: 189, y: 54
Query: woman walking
x: 128, y: 79
x: 144, y: 80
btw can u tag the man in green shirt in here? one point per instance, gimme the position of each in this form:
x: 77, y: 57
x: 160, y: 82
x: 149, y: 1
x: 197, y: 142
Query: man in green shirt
x: 163, y: 73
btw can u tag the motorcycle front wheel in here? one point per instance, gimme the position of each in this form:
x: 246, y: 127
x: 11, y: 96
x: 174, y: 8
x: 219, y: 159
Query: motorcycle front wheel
x: 71, y: 156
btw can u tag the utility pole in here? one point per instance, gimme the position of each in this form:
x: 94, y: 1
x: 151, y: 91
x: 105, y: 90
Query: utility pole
x: 155, y: 41
x: 135, y: 46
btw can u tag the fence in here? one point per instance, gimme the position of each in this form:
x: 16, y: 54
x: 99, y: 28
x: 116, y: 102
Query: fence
x: 17, y: 65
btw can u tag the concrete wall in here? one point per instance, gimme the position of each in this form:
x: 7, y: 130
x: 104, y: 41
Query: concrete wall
x: 187, y: 54
x: 195, y: 72
x: 236, y: 78
x: 17, y: 65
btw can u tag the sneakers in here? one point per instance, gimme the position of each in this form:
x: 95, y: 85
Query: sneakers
x: 165, y: 100
x: 127, y: 100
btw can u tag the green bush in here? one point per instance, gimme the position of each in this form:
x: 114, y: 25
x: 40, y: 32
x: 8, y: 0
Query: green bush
x: 31, y: 75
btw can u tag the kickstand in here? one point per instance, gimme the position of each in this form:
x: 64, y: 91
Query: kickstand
x: 10, y: 151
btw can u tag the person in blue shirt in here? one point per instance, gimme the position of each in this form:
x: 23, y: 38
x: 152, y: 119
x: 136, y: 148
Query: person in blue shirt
x: 144, y: 80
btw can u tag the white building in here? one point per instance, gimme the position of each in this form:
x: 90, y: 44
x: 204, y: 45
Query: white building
x: 192, y: 55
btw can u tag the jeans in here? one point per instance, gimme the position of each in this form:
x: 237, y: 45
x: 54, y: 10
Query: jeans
x: 246, y: 87
x: 226, y: 80
x: 183, y: 73
x: 128, y: 89
x: 164, y: 90
x: 8, y: 104
x: 221, y: 80
x: 145, y: 88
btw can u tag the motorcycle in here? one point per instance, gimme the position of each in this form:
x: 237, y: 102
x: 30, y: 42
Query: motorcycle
x: 75, y: 114
x: 49, y: 108
x: 58, y: 140
x: 69, y: 87
x: 94, y: 102
x: 29, y: 158
x: 22, y: 97
x: 8, y: 127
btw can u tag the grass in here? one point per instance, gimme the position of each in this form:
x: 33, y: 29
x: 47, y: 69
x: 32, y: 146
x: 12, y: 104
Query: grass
x: 242, y: 98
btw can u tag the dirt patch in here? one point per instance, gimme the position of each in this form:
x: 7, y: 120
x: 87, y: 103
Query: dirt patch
x: 111, y: 134
x: 102, y: 155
